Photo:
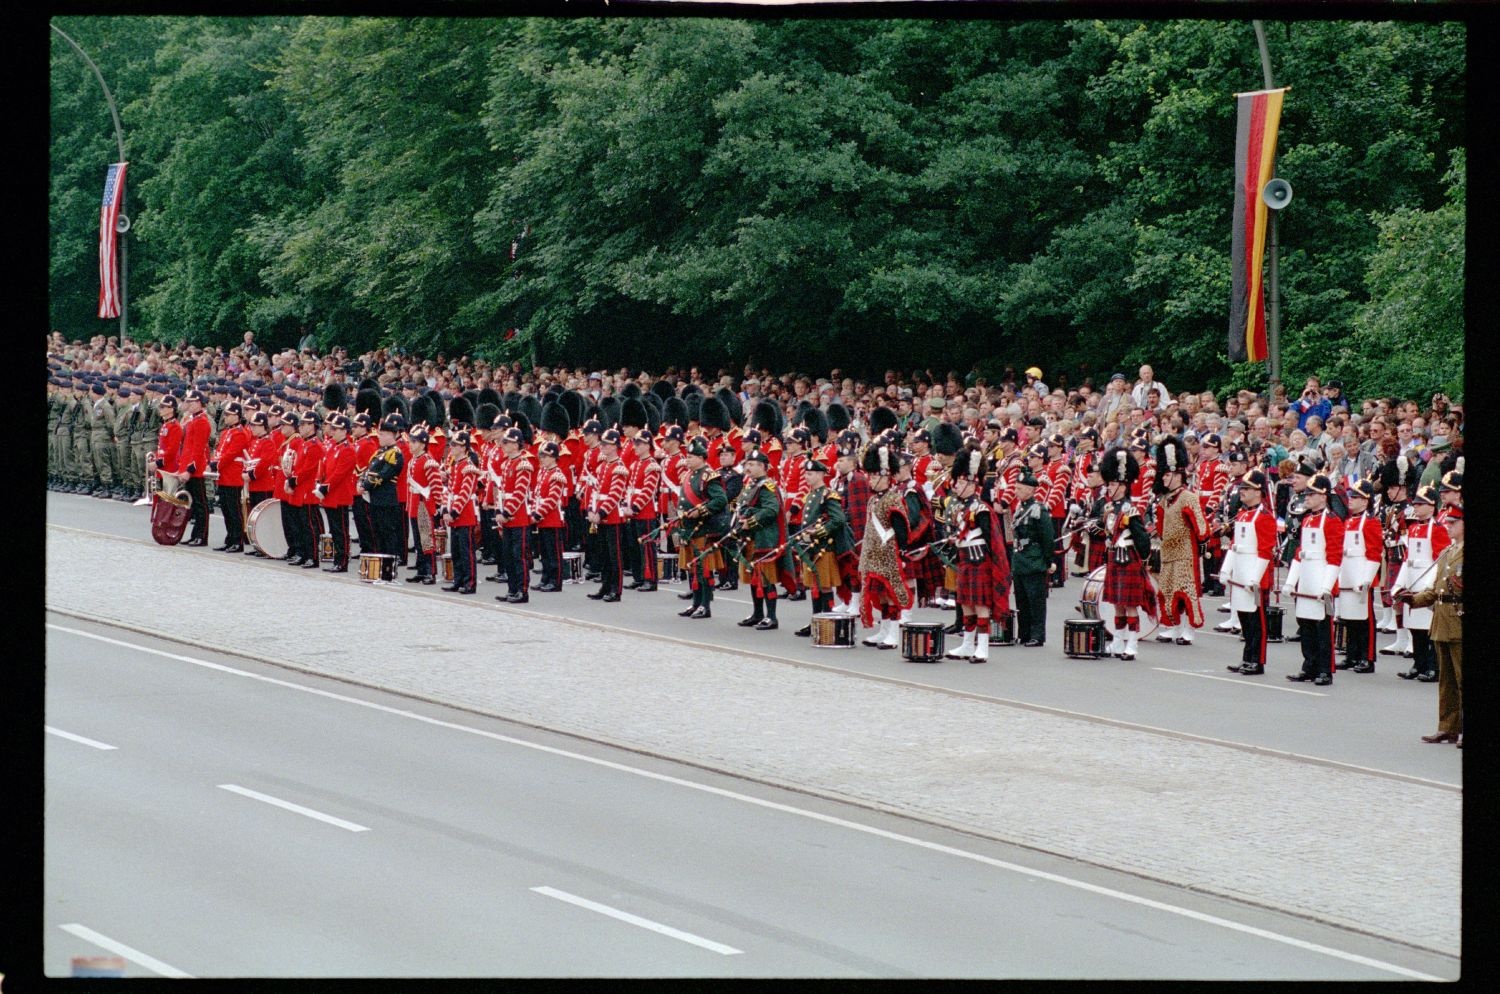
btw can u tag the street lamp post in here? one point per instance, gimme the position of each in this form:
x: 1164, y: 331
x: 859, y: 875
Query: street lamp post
x: 121, y: 230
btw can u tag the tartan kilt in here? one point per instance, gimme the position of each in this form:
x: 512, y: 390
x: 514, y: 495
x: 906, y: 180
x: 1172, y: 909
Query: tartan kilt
x: 712, y: 563
x: 1126, y: 585
x: 926, y: 572
x: 1097, y: 554
x: 765, y: 574
x: 979, y: 586
x: 825, y: 573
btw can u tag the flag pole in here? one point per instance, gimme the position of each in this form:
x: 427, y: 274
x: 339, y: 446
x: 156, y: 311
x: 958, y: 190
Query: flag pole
x: 1273, y: 330
x: 123, y: 241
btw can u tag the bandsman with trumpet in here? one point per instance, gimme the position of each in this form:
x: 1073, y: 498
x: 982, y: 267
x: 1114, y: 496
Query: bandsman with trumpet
x: 423, y: 486
x: 336, y: 487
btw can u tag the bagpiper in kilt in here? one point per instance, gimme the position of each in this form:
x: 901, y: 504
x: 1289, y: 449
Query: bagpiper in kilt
x: 702, y: 524
x: 981, y: 565
x: 823, y: 543
x: 1127, y: 585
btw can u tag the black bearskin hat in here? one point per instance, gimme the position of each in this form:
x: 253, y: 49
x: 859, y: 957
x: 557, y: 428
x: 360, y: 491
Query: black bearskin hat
x: 816, y: 422
x: 690, y: 389
x: 509, y: 400
x: 947, y: 439
x: 333, y: 397
x: 882, y: 419
x: 713, y: 414
x: 593, y: 413
x: 767, y: 417
x: 609, y: 411
x: 521, y: 421
x: 674, y: 411
x: 472, y: 396
x: 732, y: 405
x: 395, y: 404
x: 693, y: 403
x: 880, y: 459
x: 573, y: 402
x: 633, y: 413
x: 369, y: 383
x: 630, y: 391
x: 968, y: 462
x: 489, y: 395
x: 663, y: 390
x: 838, y: 417
x: 421, y: 410
x: 555, y: 419
x: 485, y: 416
x: 368, y: 402
x: 531, y: 407
x: 439, y: 409
x: 461, y: 410
x: 1118, y: 466
x: 653, y: 411
x: 1171, y: 457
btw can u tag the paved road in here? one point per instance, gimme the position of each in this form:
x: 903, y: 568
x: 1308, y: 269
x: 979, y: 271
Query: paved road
x: 423, y: 841
x: 1371, y: 721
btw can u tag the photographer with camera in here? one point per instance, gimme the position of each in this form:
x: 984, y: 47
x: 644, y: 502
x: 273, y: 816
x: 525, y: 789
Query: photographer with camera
x: 1312, y: 403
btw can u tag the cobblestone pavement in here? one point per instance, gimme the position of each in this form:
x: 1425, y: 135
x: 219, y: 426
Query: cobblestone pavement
x: 1260, y: 828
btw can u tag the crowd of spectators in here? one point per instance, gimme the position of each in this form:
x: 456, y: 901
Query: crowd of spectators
x: 1317, y: 424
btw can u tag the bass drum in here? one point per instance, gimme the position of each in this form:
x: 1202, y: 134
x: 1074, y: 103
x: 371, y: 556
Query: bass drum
x: 1091, y: 605
x: 265, y: 531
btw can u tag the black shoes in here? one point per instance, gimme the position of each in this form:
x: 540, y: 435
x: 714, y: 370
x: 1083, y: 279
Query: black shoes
x: 336, y: 569
x: 804, y: 632
x: 647, y: 588
x: 701, y: 612
x: 222, y: 548
x: 727, y: 585
x: 1031, y: 644
x: 1251, y: 669
x: 416, y: 579
x: 1363, y: 666
x: 1164, y: 638
x: 954, y: 629
x: 800, y: 595
x: 686, y: 595
x: 1410, y: 674
x: 768, y: 625
x: 1322, y: 680
x: 310, y: 564
x: 610, y: 598
x: 750, y: 622
x: 1428, y: 677
x: 235, y: 548
x: 549, y: 588
x: 597, y: 595
x: 515, y: 598
x: 299, y: 561
x: 1298, y: 677
x: 688, y: 613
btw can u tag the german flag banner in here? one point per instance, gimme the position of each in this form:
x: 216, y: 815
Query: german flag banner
x: 1254, y: 156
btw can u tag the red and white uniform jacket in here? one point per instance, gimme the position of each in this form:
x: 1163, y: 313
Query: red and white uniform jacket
x: 437, y: 444
x: 424, y: 485
x: 1081, y: 491
x: 1210, y: 480
x: 337, y: 474
x: 194, y: 457
x: 286, y: 465
x: 1363, y: 550
x: 1059, y: 480
x: 405, y: 449
x: 1425, y: 541
x: 1315, y: 570
x: 460, y: 483
x: 774, y: 451
x: 1247, y: 565
x: 309, y: 462
x: 365, y: 449
x: 643, y: 489
x: 673, y: 469
x: 260, y: 463
x: 232, y: 450
x: 1141, y: 491
x: 549, y: 492
x: 588, y: 480
x: 794, y: 486
x: 1004, y: 487
x: 281, y: 442
x: 169, y: 446
x: 491, y: 465
x: 609, y: 500
x: 731, y: 439
x: 516, y: 474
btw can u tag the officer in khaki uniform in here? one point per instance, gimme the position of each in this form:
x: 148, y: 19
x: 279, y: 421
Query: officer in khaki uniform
x: 124, y: 412
x: 55, y: 404
x: 98, y: 423
x: 148, y: 427
x: 76, y: 428
x: 1445, y: 597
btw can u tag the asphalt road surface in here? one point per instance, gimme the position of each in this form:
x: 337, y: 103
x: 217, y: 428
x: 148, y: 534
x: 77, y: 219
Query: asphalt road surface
x: 209, y: 816
x: 1372, y: 721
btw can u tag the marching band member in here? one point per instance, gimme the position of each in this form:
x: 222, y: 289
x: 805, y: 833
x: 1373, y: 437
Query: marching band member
x: 1445, y: 598
x: 1398, y: 479
x: 854, y: 494
x: 1210, y: 480
x: 1425, y: 541
x: 302, y: 480
x: 1313, y: 577
x: 1127, y: 585
x: 759, y: 521
x: 702, y: 523
x: 460, y: 494
x: 1252, y: 570
x: 983, y: 580
x: 673, y: 471
x: 1032, y: 562
x: 883, y: 582
x: 642, y: 493
x: 1143, y: 490
x: 229, y: 463
x: 260, y: 459
x: 823, y: 543
x: 606, y: 515
x: 1081, y: 495
x: 194, y: 463
x: 548, y: 500
x: 336, y: 488
x: 378, y: 486
x: 423, y: 487
x: 513, y: 514
x: 1362, y: 556
x: 587, y: 489
x: 362, y: 431
x: 1182, y: 527
x: 1059, y: 483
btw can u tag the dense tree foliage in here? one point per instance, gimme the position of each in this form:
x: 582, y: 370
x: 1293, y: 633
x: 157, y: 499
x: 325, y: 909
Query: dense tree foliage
x: 803, y: 192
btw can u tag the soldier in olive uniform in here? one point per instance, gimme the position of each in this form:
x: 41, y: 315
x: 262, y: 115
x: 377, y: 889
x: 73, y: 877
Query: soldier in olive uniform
x: 101, y: 449
x: 56, y: 402
x: 761, y: 521
x: 125, y: 415
x: 824, y: 542
x: 148, y: 426
x: 1446, y: 598
x: 1031, y: 562
x: 83, y: 456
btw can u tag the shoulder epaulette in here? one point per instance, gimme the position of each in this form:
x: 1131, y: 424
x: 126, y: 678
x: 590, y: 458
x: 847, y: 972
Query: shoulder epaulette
x: 830, y: 494
x: 390, y: 455
x: 711, y: 474
x: 770, y: 484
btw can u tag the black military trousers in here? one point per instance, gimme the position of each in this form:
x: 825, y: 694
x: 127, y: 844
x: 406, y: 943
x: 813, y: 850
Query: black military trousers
x: 293, y: 524
x: 489, y: 541
x: 1317, y: 645
x: 611, y: 541
x: 390, y: 533
x: 515, y: 560
x: 314, y: 514
x: 550, y: 544
x: 199, y: 492
x: 643, y: 560
x: 1359, y: 634
x: 1059, y: 554
x: 364, y: 526
x: 574, y: 525
x: 1031, y: 606
x: 234, y: 521
x: 338, y: 527
x: 1253, y: 627
x: 461, y: 547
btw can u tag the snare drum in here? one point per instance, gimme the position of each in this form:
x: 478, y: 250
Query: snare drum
x: 833, y: 631
x: 1003, y: 629
x: 1083, y: 638
x: 922, y: 642
x: 1273, y: 623
x: 572, y: 567
x: 375, y: 567
x: 439, y: 542
x: 265, y: 531
x: 1091, y: 605
x: 445, y: 566
x: 325, y: 546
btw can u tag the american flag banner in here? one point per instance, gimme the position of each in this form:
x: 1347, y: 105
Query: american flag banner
x: 109, y: 282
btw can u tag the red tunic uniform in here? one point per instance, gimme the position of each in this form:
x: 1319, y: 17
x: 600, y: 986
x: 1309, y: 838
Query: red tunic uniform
x: 549, y: 492
x: 260, y: 464
x: 309, y: 462
x: 642, y: 489
x: 514, y: 491
x: 337, y: 474
x: 423, y: 485
x: 609, y: 502
x: 233, y: 448
x: 169, y: 446
x: 194, y: 458
x: 794, y: 486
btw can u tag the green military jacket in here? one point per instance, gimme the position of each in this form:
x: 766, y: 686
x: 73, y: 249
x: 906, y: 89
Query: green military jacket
x: 55, y: 403
x: 759, y: 511
x: 1034, y: 539
x: 703, y: 488
x: 101, y: 417
x: 123, y: 419
x: 823, y: 515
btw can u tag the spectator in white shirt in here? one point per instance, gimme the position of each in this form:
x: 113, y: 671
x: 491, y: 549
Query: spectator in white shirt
x: 1146, y: 387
